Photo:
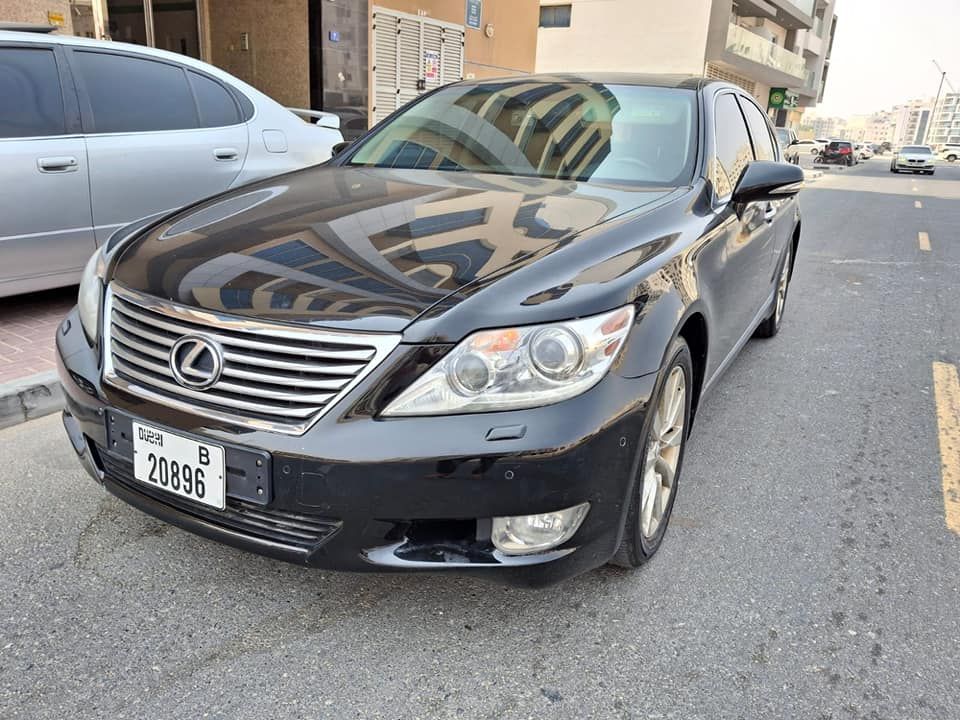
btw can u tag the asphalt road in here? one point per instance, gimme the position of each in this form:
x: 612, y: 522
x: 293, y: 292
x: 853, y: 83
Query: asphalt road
x: 808, y: 573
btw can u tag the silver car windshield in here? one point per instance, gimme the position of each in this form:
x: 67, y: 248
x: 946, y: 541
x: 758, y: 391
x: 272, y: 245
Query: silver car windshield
x: 917, y: 150
x: 567, y: 131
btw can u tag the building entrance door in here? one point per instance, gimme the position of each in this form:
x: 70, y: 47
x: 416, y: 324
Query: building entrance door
x: 166, y: 24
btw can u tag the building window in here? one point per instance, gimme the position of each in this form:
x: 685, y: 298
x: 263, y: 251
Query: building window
x: 552, y: 16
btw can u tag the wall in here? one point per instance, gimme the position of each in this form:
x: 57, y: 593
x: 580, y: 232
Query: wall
x: 35, y: 11
x: 513, y: 47
x: 277, y: 62
x: 613, y: 36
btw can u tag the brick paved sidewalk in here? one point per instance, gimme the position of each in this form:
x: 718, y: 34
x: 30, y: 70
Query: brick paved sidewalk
x: 28, y: 324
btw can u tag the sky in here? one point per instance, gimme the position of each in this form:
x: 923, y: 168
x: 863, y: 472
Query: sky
x: 883, y: 54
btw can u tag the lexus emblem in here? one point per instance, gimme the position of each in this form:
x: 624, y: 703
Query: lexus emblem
x: 196, y: 361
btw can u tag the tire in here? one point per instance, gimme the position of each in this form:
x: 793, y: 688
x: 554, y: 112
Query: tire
x: 814, y: 151
x: 930, y: 172
x: 641, y: 539
x: 772, y: 322
x: 849, y: 162
x: 951, y: 158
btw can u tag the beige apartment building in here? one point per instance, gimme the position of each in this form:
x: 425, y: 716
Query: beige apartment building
x: 757, y: 44
x: 361, y: 59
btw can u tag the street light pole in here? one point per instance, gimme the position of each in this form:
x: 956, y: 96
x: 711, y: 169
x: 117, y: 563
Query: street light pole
x: 933, y: 112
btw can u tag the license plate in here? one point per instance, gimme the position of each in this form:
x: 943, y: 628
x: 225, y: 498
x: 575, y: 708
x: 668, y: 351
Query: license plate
x: 179, y: 465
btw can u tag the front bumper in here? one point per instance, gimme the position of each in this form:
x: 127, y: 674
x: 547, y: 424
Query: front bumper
x: 905, y: 165
x: 359, y: 493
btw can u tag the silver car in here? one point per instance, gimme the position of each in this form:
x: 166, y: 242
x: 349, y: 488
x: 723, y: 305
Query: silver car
x: 95, y: 135
x: 914, y: 158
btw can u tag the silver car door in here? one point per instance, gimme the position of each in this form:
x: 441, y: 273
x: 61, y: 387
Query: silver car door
x: 159, y: 135
x: 45, y: 225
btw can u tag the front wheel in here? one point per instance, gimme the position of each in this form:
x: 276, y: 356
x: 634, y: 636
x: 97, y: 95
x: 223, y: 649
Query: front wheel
x: 951, y: 158
x: 668, y: 422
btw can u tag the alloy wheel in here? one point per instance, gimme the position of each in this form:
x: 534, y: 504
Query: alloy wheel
x: 663, y: 453
x: 782, y: 284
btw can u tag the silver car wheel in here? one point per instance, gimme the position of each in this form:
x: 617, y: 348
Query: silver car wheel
x: 782, y: 284
x: 663, y: 453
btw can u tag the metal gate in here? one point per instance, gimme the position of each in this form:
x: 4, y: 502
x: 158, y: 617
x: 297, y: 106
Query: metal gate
x: 412, y: 55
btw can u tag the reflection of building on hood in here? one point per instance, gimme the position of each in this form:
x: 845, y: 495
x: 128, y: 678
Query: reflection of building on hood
x: 392, y: 259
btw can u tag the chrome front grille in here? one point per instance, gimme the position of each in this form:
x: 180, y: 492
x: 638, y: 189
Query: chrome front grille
x: 274, y: 377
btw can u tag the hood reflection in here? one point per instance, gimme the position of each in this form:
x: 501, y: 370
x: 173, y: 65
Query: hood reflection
x: 372, y: 247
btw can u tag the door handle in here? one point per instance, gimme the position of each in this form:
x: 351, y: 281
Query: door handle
x: 225, y: 154
x: 770, y: 212
x: 61, y: 164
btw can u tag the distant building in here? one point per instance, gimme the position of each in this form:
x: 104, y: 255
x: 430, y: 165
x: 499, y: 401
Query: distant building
x: 828, y: 127
x: 910, y: 122
x: 946, y: 122
x: 756, y: 44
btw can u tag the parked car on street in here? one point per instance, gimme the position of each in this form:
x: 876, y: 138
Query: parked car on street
x: 864, y: 151
x: 99, y: 134
x: 914, y: 158
x: 838, y: 152
x: 788, y: 144
x: 950, y: 152
x: 476, y: 340
x: 811, y: 147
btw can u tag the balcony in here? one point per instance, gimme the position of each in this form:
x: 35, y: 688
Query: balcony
x: 804, y: 6
x: 745, y: 44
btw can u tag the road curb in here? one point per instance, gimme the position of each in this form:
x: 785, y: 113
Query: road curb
x: 29, y: 398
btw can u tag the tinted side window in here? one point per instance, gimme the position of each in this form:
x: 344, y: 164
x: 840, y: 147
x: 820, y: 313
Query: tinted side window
x: 133, y: 95
x: 759, y: 131
x: 733, y: 145
x: 215, y: 103
x: 30, y: 100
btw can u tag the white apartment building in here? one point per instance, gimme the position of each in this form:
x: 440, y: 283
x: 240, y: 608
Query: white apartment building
x: 910, y: 122
x: 757, y: 44
x: 946, y: 122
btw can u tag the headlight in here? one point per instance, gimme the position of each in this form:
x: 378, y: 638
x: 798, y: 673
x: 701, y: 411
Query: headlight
x: 518, y: 367
x: 90, y: 295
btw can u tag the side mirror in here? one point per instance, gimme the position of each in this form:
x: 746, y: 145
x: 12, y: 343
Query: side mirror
x: 339, y: 148
x: 768, y: 180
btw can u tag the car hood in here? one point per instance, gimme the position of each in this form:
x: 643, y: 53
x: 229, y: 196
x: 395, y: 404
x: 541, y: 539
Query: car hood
x: 363, y: 248
x: 916, y: 156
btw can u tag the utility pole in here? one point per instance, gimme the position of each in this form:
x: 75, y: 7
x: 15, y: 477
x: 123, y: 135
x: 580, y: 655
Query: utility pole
x: 933, y: 112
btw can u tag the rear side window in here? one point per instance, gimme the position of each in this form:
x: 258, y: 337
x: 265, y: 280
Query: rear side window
x: 30, y: 101
x: 733, y: 145
x: 135, y: 95
x: 215, y: 103
x: 759, y: 131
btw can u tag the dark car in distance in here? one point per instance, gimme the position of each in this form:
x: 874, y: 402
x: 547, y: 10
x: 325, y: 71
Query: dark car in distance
x: 474, y: 341
x: 838, y: 152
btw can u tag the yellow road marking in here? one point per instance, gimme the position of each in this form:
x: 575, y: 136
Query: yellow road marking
x: 917, y: 204
x: 946, y: 388
x: 924, y: 240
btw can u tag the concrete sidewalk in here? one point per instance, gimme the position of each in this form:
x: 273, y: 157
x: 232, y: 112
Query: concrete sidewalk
x: 28, y: 378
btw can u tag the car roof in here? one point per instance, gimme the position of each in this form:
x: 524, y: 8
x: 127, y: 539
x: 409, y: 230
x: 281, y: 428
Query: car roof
x: 689, y: 82
x: 82, y: 42
x: 42, y: 39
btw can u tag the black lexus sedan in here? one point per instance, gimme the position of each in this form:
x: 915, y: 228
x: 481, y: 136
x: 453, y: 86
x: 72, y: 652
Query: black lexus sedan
x: 475, y: 341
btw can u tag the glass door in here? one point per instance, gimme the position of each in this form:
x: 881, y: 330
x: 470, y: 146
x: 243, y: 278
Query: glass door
x: 166, y: 24
x: 175, y: 26
x: 127, y: 21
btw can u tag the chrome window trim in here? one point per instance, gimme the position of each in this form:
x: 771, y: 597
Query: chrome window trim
x: 383, y: 344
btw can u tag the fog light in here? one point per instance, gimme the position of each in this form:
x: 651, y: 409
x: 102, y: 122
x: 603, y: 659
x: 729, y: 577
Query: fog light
x: 524, y: 534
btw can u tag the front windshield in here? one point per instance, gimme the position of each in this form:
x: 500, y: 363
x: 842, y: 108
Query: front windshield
x: 917, y: 150
x: 564, y: 130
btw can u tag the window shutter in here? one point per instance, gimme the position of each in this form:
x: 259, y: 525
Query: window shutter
x: 385, y: 65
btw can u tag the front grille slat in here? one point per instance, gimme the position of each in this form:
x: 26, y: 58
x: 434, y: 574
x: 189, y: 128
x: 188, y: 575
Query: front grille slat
x: 248, y: 343
x: 276, y: 525
x: 282, y: 382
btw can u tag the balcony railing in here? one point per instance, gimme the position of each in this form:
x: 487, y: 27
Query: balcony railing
x: 746, y: 44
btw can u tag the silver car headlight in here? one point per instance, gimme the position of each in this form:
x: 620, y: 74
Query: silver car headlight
x: 522, y: 367
x: 91, y: 295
